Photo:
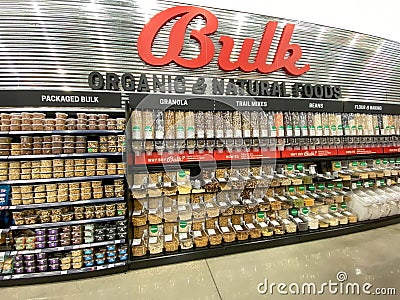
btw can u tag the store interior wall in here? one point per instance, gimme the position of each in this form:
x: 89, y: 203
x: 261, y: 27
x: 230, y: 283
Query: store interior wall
x: 368, y: 17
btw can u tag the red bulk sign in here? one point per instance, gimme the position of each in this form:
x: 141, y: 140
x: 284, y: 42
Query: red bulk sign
x: 286, y: 56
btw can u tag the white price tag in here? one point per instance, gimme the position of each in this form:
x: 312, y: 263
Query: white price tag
x: 263, y: 224
x: 209, y: 205
x: 256, y: 133
x: 275, y: 223
x: 197, y: 233
x: 247, y: 201
x: 168, y: 238
x: 286, y: 222
x: 167, y: 209
x: 234, y: 202
x: 238, y: 133
x: 223, y: 204
x: 250, y: 226
x: 211, y: 232
x: 289, y: 132
x: 238, y: 227
x: 196, y: 206
x: 136, y: 213
x: 183, y: 236
x: 159, y: 135
x: 153, y: 240
x: 152, y: 211
x: 264, y: 133
x: 219, y: 133
x: 210, y: 133
x: 229, y: 133
x: 136, y: 242
x: 200, y: 134
x: 224, y: 229
x: 298, y: 220
x: 297, y: 132
x: 64, y: 272
x: 181, y: 207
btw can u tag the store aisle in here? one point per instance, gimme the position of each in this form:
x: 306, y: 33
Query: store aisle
x: 366, y: 257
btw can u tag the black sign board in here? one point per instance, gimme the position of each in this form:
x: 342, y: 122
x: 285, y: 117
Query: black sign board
x: 36, y: 98
x: 244, y: 103
x: 313, y: 105
x: 171, y: 101
x: 371, y: 107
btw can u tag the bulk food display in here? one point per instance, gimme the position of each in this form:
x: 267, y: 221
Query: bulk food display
x: 62, y: 178
x: 218, y: 130
x: 183, y: 206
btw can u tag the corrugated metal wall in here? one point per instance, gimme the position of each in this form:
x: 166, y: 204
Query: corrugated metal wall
x: 53, y: 44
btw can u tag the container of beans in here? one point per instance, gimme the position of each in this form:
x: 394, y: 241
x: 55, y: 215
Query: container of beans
x: 60, y: 115
x: 81, y: 116
x: 111, y: 168
x: 93, y: 146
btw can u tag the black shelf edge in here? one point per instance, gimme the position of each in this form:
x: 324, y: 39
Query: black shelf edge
x: 56, y: 276
x: 63, y: 179
x: 58, y: 224
x: 46, y: 132
x: 68, y: 248
x: 66, y: 203
x: 263, y: 243
x: 49, y: 156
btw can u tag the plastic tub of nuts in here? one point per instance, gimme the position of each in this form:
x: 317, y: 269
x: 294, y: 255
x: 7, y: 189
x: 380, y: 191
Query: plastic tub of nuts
x: 86, y: 196
x: 61, y: 115
x: 89, y: 215
x: 75, y: 197
x: 62, y: 197
x: 109, y: 191
x: 111, y: 168
x: 95, y: 184
x: 30, y: 220
x: 67, y: 217
x: 81, y: 116
x: 98, y: 195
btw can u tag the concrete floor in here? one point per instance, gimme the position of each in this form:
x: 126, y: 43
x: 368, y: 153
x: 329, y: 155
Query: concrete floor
x: 366, y: 257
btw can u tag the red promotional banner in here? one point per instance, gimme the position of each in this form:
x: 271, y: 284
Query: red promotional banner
x: 309, y: 153
x: 168, y: 158
x: 360, y: 151
x: 391, y: 149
